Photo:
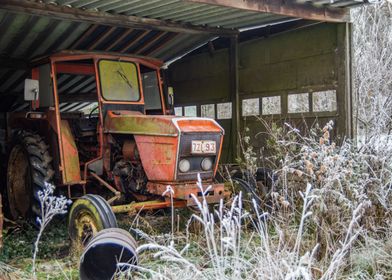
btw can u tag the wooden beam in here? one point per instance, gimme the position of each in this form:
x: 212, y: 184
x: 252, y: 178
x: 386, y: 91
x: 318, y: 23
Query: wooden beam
x: 285, y: 8
x: 235, y: 96
x: 344, y: 89
x: 117, y: 20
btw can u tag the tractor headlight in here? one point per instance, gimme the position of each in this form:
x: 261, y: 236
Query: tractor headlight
x: 206, y: 164
x: 184, y: 165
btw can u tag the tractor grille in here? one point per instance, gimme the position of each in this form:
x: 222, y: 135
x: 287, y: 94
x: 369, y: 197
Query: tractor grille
x: 185, y: 152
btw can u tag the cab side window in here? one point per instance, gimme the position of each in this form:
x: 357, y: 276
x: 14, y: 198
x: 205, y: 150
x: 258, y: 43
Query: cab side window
x: 151, y: 91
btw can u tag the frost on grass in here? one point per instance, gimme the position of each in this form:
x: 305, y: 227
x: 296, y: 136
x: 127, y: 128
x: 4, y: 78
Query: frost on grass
x: 329, y: 202
x: 50, y: 206
x: 7, y: 272
x: 226, y: 248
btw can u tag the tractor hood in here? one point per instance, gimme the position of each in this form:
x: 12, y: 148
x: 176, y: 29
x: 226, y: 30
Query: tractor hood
x: 163, y: 140
x: 130, y: 122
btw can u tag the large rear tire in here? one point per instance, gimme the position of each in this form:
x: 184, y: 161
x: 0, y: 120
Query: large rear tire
x: 89, y: 215
x: 29, y: 169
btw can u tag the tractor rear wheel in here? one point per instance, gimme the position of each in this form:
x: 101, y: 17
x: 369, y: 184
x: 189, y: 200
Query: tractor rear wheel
x: 89, y: 215
x: 29, y: 168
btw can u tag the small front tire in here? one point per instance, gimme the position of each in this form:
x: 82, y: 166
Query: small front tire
x: 89, y: 215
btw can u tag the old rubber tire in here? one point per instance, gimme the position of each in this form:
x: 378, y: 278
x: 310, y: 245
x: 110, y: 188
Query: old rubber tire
x: 29, y: 168
x: 89, y: 215
x: 101, y: 257
x: 256, y: 187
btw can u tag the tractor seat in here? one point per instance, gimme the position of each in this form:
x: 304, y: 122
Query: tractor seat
x: 85, y: 126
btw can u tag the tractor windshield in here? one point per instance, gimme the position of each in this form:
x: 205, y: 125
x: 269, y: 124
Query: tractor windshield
x: 119, y: 80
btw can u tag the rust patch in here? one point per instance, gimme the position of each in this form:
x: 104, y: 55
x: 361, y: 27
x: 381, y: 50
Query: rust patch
x: 147, y: 205
x: 185, y: 191
x: 71, y: 155
x: 199, y: 125
x: 158, y: 156
x: 127, y: 122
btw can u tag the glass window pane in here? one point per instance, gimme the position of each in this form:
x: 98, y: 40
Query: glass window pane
x: 190, y: 111
x: 324, y: 101
x: 250, y: 107
x: 271, y: 105
x: 224, y: 111
x: 152, y: 97
x: 178, y: 111
x: 298, y: 103
x: 208, y: 111
x: 119, y: 80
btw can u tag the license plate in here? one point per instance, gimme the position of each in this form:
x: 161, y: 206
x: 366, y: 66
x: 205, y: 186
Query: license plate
x: 203, y: 147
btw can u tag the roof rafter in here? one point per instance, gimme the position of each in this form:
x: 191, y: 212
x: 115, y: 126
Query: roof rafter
x: 290, y: 8
x: 104, y: 18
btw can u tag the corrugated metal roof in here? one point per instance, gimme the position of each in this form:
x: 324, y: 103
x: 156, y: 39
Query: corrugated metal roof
x: 24, y: 36
x: 189, y: 12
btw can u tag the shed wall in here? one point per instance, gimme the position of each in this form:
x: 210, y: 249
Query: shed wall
x: 309, y: 60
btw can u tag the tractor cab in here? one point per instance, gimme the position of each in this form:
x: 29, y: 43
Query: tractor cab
x: 80, y: 91
x: 89, y: 87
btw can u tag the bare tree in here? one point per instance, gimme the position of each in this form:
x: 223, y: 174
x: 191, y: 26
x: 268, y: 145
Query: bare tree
x: 372, y: 42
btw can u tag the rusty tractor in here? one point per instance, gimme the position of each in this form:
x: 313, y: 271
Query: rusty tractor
x: 99, y: 127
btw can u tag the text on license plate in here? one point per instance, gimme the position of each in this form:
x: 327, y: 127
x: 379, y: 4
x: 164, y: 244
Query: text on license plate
x: 203, y: 147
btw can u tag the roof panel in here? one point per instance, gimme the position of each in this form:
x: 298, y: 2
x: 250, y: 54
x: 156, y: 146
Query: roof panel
x: 23, y: 35
x: 191, y: 12
x: 10, y: 27
x: 213, y: 11
x: 29, y: 34
x: 115, y: 6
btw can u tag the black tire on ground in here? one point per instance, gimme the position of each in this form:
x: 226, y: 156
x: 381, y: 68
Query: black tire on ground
x: 104, y: 253
x: 29, y: 168
x: 256, y: 187
x: 89, y: 215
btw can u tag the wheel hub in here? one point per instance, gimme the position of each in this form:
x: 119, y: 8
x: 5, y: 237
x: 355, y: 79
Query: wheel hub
x: 86, y: 227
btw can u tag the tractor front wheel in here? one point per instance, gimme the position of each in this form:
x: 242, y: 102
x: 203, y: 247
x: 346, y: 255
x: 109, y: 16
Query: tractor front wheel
x: 89, y: 215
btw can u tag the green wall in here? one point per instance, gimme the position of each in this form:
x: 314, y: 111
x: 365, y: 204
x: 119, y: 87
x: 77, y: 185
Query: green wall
x: 309, y: 59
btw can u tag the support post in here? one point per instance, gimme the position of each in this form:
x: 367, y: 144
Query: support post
x: 234, y: 96
x: 1, y: 224
x: 344, y: 90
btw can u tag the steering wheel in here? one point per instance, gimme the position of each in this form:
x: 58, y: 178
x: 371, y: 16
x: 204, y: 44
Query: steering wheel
x: 90, y: 115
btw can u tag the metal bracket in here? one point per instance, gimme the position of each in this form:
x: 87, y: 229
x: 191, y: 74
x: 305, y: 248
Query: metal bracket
x: 116, y: 193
